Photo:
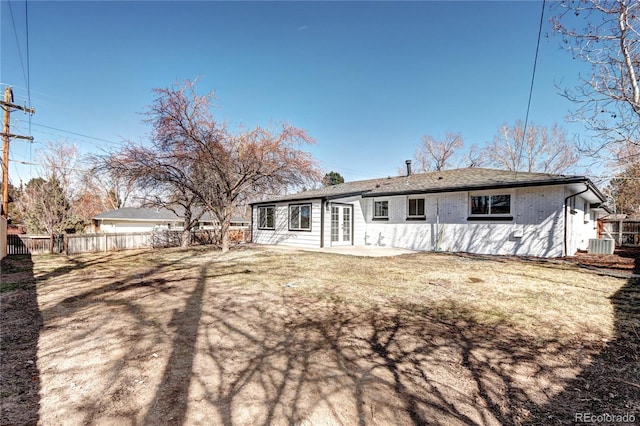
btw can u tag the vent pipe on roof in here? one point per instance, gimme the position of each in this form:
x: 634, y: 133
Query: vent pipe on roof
x: 408, y: 163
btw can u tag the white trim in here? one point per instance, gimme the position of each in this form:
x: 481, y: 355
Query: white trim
x: 424, y: 207
x: 382, y: 200
x: 491, y: 193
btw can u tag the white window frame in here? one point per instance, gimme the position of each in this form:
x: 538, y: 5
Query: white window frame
x: 265, y: 209
x: 491, y: 194
x: 424, y: 208
x: 298, y: 226
x: 377, y: 217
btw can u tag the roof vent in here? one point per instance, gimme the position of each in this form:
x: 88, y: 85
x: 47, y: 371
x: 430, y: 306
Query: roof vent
x: 408, y: 163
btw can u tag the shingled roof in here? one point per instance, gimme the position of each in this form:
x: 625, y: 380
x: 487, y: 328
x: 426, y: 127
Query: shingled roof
x: 467, y: 179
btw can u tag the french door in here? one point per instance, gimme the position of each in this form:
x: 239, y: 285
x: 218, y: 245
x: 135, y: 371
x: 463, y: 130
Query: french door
x: 341, y: 225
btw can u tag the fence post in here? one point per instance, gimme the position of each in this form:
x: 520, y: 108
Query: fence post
x: 620, y: 228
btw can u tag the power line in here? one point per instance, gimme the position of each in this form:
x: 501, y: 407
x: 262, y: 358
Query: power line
x: 51, y: 166
x: 26, y: 23
x: 15, y: 33
x: 78, y: 134
x: 533, y: 77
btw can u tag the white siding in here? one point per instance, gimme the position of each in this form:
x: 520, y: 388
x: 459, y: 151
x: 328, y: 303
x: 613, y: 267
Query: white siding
x: 281, y: 234
x: 580, y: 227
x: 536, y: 229
x: 114, y: 226
x: 359, y: 225
x: 124, y: 227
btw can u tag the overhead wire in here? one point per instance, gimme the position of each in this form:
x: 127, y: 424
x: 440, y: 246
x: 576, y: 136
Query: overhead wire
x: 26, y: 19
x: 533, y: 78
x: 77, y: 134
x: 15, y: 33
x: 53, y: 166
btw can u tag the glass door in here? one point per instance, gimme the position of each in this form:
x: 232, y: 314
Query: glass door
x: 341, y: 224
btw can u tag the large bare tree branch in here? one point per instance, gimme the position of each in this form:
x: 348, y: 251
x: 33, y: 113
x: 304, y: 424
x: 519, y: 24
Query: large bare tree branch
x: 201, y: 163
x: 540, y: 150
x: 436, y: 155
x: 605, y: 35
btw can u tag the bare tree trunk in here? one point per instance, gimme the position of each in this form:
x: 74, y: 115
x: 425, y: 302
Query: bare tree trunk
x: 185, y: 239
x: 225, y: 224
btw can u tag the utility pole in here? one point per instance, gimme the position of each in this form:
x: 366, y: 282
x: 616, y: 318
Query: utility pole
x: 7, y: 106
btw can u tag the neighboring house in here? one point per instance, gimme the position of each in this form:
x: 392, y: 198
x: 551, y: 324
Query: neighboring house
x: 130, y: 219
x: 466, y: 210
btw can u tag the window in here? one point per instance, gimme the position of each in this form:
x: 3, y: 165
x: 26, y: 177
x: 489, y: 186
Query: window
x: 300, y: 217
x: 267, y: 217
x: 490, y: 205
x: 416, y: 208
x: 381, y: 209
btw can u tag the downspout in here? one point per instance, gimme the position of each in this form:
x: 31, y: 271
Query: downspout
x: 322, y: 204
x: 564, y: 250
x: 438, y: 234
x: 251, y: 225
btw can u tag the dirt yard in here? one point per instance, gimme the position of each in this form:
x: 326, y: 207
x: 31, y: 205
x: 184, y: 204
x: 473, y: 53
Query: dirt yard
x: 268, y: 336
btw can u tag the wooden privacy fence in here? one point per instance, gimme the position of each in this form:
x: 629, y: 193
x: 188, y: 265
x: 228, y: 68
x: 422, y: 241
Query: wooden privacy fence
x: 625, y: 232
x: 28, y: 244
x: 84, y: 243
x: 106, y: 242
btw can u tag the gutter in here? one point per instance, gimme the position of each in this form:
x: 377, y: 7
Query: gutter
x: 251, y: 225
x: 373, y: 193
x: 564, y: 248
x: 322, y: 198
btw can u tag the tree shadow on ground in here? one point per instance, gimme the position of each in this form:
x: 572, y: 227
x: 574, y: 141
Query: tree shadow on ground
x: 237, y: 354
x: 171, y: 400
x: 21, y: 323
x: 299, y: 360
x: 611, y: 383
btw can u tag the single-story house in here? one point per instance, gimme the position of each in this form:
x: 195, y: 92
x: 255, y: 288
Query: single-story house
x: 474, y: 210
x: 134, y: 219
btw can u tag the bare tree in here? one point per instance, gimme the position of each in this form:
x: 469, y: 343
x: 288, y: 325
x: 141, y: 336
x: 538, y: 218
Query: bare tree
x: 625, y: 190
x: 540, y: 150
x: 46, y: 202
x: 606, y: 35
x: 163, y: 177
x: 196, y: 160
x: 436, y: 155
x: 473, y: 157
x: 624, y: 187
x: 112, y: 191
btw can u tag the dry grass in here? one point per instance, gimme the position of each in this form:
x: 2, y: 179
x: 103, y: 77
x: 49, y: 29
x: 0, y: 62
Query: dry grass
x: 554, y: 300
x: 268, y: 336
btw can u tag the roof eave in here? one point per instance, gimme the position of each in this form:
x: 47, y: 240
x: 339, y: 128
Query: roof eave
x: 317, y: 197
x: 501, y: 185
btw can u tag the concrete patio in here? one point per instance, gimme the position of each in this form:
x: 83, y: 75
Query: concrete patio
x: 368, y: 251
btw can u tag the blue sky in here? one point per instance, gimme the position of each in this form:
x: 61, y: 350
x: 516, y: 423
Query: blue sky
x: 365, y: 79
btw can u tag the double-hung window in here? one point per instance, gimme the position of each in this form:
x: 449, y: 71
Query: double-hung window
x: 300, y: 217
x: 267, y: 217
x: 381, y: 210
x: 490, y: 206
x: 415, y: 208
